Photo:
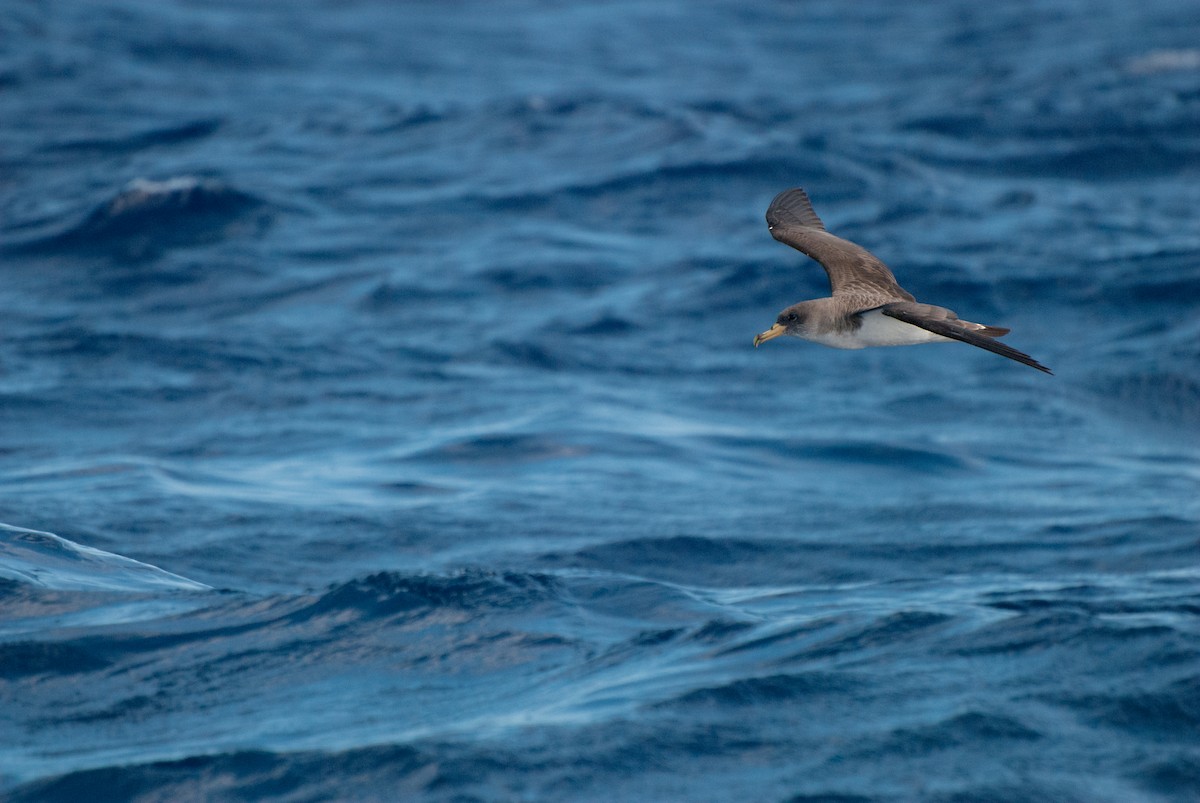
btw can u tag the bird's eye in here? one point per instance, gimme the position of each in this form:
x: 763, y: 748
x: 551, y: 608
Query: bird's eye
x: 793, y: 317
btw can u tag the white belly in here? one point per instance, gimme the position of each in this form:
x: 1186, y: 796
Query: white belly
x: 878, y: 330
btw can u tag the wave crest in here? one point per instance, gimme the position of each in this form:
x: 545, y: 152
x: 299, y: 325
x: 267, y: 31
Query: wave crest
x: 49, y: 561
x: 147, y: 216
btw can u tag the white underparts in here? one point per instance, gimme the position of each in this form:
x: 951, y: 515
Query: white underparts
x: 877, y: 330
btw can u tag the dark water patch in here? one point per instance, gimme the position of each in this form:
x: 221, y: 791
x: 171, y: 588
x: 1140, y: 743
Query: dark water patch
x: 503, y: 448
x: 1124, y: 545
x: 700, y: 560
x: 606, y: 325
x: 169, y: 135
x: 387, y: 593
x: 626, y: 119
x: 655, y: 638
x: 1036, y: 604
x: 532, y: 278
x: 191, y: 355
x: 1103, y: 161
x: 803, y: 631
x: 684, y: 185
x: 1164, y: 277
x: 661, y: 748
x: 371, y: 773
x: 833, y: 797
x: 1027, y: 633
x: 1103, y: 128
x: 1118, y: 532
x: 123, y: 280
x: 649, y: 552
x: 718, y: 630
x: 893, y: 456
x: 1064, y: 633
x: 1171, y: 711
x: 1061, y: 792
x: 391, y: 296
x: 760, y: 111
x: 136, y: 708
x: 410, y: 488
x: 1176, y: 776
x: 554, y: 352
x: 215, y: 52
x: 1158, y: 274
x: 1164, y: 398
x: 768, y: 690
x: 762, y: 169
x: 879, y: 455
x: 892, y: 630
x: 965, y: 730
x: 147, y: 217
x: 160, y: 639
x: 1100, y: 601
x: 952, y: 124
x: 1032, y: 291
x: 765, y: 286
x: 399, y: 119
x: 544, y: 356
x: 24, y: 659
x: 931, y: 404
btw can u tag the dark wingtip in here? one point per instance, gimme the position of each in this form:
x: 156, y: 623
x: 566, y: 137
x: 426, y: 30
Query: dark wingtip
x: 1018, y: 356
x: 1021, y: 357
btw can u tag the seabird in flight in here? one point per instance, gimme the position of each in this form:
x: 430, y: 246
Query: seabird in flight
x: 867, y: 307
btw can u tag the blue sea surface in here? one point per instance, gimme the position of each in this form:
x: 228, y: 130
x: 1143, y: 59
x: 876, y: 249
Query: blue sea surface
x: 379, y: 415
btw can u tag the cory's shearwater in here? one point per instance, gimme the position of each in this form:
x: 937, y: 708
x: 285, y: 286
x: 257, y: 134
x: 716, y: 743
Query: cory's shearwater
x: 867, y: 307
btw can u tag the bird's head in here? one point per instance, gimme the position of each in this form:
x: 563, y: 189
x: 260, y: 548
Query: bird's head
x: 792, y: 321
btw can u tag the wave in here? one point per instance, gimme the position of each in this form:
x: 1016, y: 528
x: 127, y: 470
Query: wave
x: 20, y: 659
x: 961, y: 730
x: 503, y: 448
x: 767, y: 690
x: 1171, y: 710
x: 148, y: 216
x: 1162, y: 397
x: 674, y: 183
x: 388, y: 593
x: 167, y: 135
x: 1104, y: 161
x: 405, y: 772
x: 199, y: 354
x: 677, y: 667
x: 48, y: 561
x: 605, y: 324
x: 872, y: 454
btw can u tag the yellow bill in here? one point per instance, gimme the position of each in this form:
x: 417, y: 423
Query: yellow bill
x: 772, y: 333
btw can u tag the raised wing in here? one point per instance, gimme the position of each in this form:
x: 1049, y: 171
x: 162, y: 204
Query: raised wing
x: 943, y: 322
x: 853, y: 270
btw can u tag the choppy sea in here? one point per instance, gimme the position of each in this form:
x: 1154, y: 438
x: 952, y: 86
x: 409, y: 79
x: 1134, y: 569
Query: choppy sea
x: 379, y: 418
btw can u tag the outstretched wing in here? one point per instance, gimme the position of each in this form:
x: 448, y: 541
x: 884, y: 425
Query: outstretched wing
x: 853, y: 270
x: 943, y: 322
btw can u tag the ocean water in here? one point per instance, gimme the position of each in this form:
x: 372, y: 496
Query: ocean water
x: 379, y: 418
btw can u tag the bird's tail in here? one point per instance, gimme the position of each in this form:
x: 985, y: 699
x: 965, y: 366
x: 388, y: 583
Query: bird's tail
x: 990, y: 331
